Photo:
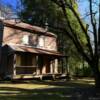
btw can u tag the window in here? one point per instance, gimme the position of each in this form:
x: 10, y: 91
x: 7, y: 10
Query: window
x: 25, y: 39
x: 41, y: 41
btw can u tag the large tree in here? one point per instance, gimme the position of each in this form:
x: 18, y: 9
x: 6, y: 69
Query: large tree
x: 91, y: 52
x: 39, y: 12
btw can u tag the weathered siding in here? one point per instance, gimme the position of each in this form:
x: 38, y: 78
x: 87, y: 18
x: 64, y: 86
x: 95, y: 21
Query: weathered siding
x: 15, y: 36
x: 50, y: 43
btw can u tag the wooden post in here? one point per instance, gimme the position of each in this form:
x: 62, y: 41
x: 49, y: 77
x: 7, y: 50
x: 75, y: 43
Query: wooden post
x: 14, y: 67
x: 37, y: 70
x: 62, y: 65
x: 38, y: 67
x: 44, y: 69
x: 67, y: 65
x: 51, y: 67
x: 56, y: 66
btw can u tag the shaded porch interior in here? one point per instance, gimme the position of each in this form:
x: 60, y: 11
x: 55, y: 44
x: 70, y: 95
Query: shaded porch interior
x: 28, y: 63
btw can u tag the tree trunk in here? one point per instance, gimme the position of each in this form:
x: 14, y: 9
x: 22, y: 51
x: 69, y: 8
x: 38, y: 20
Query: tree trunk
x: 96, y: 74
x: 97, y: 80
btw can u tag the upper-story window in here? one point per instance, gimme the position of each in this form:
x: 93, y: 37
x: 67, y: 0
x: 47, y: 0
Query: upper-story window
x: 25, y: 39
x: 33, y: 40
x: 41, y: 41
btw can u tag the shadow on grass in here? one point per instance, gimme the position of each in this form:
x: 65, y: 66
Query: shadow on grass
x: 57, y: 90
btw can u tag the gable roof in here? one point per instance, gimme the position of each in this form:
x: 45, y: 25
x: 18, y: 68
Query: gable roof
x: 27, y: 27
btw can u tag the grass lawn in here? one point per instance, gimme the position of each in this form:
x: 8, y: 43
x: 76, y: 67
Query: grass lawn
x: 81, y: 89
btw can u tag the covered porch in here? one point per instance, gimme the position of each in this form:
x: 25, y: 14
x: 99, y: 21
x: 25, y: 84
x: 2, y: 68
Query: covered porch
x: 28, y: 65
x: 29, y: 62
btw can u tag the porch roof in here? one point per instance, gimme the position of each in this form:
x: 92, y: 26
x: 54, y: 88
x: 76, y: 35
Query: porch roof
x: 38, y: 51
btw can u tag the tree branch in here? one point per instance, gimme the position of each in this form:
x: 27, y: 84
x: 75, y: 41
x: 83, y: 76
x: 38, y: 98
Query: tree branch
x: 94, y: 29
x: 63, y: 5
x: 74, y: 40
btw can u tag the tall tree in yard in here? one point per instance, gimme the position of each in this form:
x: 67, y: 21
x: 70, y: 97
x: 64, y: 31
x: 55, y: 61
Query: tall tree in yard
x: 89, y: 53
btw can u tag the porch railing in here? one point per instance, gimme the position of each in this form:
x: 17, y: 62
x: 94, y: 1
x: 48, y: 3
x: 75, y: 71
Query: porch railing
x: 25, y: 70
x: 27, y: 66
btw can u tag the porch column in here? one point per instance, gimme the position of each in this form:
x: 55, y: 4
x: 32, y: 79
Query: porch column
x: 56, y: 66
x: 37, y: 66
x: 14, y: 63
x: 37, y: 70
x: 51, y: 67
x: 44, y: 69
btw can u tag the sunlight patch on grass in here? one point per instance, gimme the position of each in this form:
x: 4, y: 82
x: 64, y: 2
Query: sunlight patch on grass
x: 24, y: 86
x: 85, y: 81
x: 92, y: 83
x: 9, y: 92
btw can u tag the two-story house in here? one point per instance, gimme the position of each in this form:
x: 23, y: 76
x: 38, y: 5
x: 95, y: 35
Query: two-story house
x: 27, y: 51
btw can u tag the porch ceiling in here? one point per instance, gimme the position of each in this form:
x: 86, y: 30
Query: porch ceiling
x: 38, y: 51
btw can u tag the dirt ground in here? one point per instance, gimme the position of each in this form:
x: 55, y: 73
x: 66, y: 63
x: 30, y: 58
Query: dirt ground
x: 80, y: 89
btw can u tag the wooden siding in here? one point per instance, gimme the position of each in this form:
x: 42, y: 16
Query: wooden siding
x: 13, y: 36
x: 34, y: 58
x: 50, y: 43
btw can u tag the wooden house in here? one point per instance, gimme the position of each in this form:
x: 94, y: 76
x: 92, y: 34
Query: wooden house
x: 27, y: 51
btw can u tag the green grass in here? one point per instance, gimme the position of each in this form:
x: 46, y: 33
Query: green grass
x: 81, y: 89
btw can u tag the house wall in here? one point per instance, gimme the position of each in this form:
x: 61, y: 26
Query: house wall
x: 15, y: 36
x: 1, y: 36
x: 10, y: 65
x: 6, y: 67
x: 3, y: 63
